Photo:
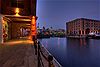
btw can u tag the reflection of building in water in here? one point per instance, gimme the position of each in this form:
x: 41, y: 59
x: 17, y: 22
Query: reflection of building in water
x: 84, y: 42
x: 76, y: 43
x: 58, y: 42
x: 82, y: 26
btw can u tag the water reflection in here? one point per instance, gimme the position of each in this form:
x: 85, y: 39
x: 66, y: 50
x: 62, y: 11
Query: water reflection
x: 58, y: 42
x: 78, y: 42
x: 46, y: 43
x: 82, y: 53
x: 84, y: 43
x: 74, y: 52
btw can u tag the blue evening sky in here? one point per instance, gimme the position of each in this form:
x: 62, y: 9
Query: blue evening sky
x: 55, y: 13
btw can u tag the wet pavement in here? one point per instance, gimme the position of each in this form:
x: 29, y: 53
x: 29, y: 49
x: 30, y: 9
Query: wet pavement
x: 21, y: 53
x: 18, y: 53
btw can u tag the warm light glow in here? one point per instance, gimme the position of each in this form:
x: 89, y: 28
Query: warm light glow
x: 33, y: 31
x: 19, y: 42
x: 33, y: 17
x: 17, y: 11
x: 17, y: 14
x: 33, y: 26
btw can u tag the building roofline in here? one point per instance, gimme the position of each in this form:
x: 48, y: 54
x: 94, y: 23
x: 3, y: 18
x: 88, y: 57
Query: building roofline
x: 90, y: 19
x: 83, y: 19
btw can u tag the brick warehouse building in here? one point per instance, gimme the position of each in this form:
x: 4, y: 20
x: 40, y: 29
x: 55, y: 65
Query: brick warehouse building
x: 82, y: 26
x: 17, y: 17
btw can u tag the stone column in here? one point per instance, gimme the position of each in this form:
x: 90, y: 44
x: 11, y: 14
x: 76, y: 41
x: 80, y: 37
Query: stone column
x: 1, y: 28
x: 84, y: 32
x: 33, y: 31
x: 81, y: 32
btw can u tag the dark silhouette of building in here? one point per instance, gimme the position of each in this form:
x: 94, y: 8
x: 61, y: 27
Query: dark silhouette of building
x: 27, y: 7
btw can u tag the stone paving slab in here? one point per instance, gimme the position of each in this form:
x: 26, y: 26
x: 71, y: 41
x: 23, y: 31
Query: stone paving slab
x: 20, y: 54
x: 17, y: 56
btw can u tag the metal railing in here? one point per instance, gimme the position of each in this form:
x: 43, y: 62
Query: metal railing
x: 48, y: 59
x: 40, y: 54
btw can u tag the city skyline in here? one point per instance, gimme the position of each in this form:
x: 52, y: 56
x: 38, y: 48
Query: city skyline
x: 55, y: 13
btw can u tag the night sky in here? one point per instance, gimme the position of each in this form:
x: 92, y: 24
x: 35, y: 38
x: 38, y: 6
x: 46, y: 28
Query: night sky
x: 55, y: 13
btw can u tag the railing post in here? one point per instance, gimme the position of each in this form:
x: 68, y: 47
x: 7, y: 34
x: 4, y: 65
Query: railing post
x: 50, y: 58
x: 39, y: 54
x: 35, y: 44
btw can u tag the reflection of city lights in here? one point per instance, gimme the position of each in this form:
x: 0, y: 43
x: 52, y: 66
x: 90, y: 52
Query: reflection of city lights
x: 46, y: 44
x: 17, y: 11
x: 82, y: 42
x: 58, y: 42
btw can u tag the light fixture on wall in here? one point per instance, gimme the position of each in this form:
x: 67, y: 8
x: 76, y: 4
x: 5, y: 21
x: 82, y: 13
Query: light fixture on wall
x: 17, y: 11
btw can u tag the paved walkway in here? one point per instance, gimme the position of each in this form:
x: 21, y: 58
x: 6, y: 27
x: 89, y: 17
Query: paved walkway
x: 21, y: 53
x: 17, y: 54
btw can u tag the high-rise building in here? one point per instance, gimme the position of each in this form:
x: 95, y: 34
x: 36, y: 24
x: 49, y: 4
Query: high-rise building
x: 82, y: 26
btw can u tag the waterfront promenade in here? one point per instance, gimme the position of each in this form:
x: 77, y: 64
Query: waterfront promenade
x: 20, y: 53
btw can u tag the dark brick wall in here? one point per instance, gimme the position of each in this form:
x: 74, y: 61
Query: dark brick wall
x: 27, y: 7
x: 0, y: 6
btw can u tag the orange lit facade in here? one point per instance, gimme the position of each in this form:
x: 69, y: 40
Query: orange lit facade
x: 19, y: 18
x: 82, y: 26
x: 33, y: 26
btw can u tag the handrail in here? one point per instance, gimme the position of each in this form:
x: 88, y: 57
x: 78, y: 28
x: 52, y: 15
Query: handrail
x: 39, y: 56
x: 49, y: 54
x: 43, y: 55
x: 48, y: 58
x: 53, y: 57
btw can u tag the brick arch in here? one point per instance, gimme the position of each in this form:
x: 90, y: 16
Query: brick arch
x: 87, y: 31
